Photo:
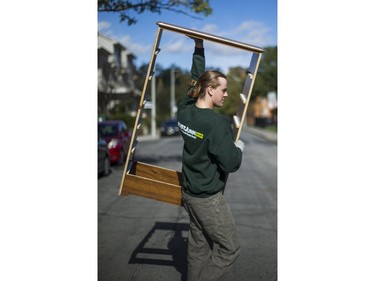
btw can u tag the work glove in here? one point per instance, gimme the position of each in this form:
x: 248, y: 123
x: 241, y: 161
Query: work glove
x: 240, y: 144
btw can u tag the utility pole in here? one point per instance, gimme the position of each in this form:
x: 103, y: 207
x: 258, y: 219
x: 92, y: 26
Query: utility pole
x: 153, y: 107
x: 173, y: 93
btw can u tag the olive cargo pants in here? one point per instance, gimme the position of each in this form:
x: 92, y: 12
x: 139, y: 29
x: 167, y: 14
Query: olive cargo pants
x: 211, y: 221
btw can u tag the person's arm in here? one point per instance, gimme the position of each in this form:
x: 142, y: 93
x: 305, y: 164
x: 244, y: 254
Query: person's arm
x: 225, y: 151
x: 197, y: 68
x: 199, y: 63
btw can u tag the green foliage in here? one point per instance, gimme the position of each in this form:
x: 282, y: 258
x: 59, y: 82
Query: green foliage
x: 126, y: 7
x: 129, y: 120
x: 266, y: 80
x: 163, y: 91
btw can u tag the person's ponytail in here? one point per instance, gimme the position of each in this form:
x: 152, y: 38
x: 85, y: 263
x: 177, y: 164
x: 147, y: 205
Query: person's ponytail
x: 196, y: 90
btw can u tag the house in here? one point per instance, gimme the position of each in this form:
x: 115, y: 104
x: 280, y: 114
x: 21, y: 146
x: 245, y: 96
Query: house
x: 116, y: 73
x: 263, y: 111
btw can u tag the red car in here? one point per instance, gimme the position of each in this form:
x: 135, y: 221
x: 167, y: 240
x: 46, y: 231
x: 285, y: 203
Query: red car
x: 117, y: 137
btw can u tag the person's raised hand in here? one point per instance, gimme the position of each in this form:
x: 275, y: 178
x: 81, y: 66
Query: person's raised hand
x: 198, y: 41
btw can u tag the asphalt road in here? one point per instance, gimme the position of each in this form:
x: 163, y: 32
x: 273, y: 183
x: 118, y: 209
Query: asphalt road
x: 141, y: 239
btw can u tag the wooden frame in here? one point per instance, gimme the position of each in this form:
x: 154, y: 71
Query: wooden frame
x: 164, y: 184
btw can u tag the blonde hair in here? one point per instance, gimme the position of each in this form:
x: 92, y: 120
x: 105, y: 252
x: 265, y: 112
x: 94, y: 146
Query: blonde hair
x: 207, y: 79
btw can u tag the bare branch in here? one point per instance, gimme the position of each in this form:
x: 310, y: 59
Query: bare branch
x: 123, y: 7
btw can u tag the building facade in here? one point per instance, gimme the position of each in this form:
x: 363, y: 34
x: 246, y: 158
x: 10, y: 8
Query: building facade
x: 116, y: 74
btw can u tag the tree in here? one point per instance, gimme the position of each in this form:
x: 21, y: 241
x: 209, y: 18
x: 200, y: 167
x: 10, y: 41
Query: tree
x: 125, y: 7
x: 266, y: 80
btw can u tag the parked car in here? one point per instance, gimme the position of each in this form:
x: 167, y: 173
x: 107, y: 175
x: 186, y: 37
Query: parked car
x: 104, y: 164
x: 117, y: 137
x: 169, y: 128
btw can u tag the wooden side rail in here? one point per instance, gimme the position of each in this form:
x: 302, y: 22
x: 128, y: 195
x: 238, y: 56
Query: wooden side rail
x: 210, y: 37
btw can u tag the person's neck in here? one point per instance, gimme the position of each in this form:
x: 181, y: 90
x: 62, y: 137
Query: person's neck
x: 204, y: 103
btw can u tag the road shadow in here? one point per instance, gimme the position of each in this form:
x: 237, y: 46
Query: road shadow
x: 151, y: 251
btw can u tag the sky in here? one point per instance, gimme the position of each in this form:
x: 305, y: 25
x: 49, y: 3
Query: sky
x: 252, y: 22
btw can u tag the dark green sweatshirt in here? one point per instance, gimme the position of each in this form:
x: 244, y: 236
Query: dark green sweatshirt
x: 209, y: 151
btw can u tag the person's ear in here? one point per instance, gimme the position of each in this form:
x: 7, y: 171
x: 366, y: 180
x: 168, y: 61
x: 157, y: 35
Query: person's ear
x: 209, y: 91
